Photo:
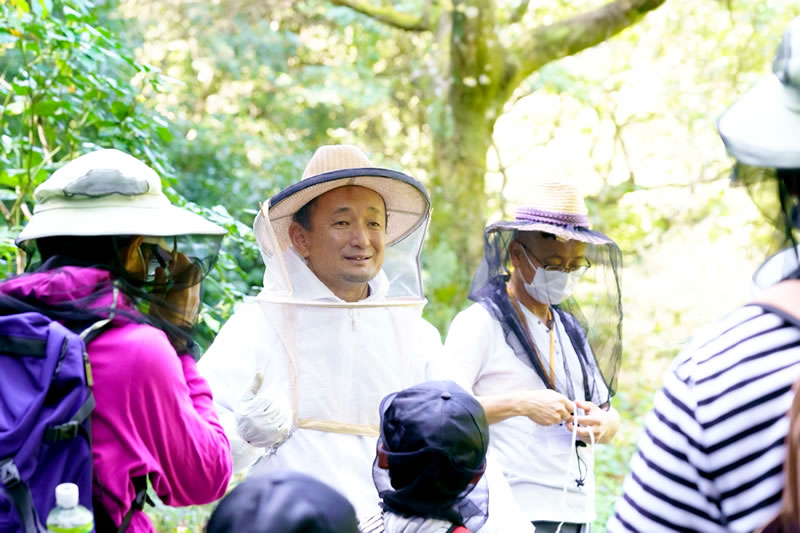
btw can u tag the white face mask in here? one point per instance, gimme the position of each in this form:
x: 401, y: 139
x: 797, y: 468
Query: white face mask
x: 550, y: 286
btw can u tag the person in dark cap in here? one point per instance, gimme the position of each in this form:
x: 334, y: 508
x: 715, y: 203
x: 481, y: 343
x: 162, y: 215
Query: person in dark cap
x: 431, y: 455
x: 283, y: 502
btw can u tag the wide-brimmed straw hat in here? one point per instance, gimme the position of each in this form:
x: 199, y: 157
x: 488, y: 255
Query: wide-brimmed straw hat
x: 108, y: 192
x: 407, y: 200
x: 557, y: 207
x: 763, y: 127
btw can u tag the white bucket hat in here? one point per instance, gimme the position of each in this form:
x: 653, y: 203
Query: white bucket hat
x: 108, y: 192
x: 762, y: 128
x: 407, y: 200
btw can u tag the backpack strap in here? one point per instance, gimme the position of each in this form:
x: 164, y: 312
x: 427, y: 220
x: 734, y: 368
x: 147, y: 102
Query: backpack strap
x: 140, y: 486
x: 102, y: 520
x: 20, y: 495
x: 23, y: 346
x: 71, y: 429
x: 90, y: 333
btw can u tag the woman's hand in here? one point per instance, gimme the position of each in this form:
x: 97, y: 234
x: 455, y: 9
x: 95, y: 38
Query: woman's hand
x: 180, y: 293
x: 601, y: 423
x: 545, y: 407
x: 177, y: 295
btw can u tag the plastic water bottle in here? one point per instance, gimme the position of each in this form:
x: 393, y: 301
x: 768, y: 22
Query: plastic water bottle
x: 68, y: 516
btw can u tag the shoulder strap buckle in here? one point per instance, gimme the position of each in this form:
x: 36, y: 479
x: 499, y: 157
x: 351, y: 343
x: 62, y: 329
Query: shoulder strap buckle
x: 9, y: 474
x: 66, y: 431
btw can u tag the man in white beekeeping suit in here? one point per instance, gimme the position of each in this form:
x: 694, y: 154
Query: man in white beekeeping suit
x: 299, y: 372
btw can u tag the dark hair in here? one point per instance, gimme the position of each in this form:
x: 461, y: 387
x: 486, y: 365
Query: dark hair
x: 303, y: 215
x: 543, y: 234
x: 789, y: 194
x: 104, y: 252
x: 791, y: 179
x: 90, y: 250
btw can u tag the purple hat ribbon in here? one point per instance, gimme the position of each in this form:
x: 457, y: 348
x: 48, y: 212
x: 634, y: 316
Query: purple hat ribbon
x: 538, y: 216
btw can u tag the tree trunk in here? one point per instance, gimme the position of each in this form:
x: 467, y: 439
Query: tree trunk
x: 459, y: 198
x: 480, y: 75
x: 460, y: 144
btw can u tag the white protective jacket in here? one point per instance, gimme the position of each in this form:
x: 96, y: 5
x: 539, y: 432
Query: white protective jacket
x: 348, y: 360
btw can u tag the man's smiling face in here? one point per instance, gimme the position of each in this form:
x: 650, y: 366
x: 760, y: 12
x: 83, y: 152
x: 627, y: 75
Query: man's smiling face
x: 344, y: 246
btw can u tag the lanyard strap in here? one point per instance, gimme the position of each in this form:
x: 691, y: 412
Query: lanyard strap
x: 552, y: 376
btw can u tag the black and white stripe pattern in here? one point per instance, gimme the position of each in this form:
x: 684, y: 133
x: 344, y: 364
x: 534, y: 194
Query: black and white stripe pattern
x: 712, y: 452
x: 373, y: 524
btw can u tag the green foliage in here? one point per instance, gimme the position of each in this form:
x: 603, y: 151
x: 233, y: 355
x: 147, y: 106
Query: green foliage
x: 237, y: 273
x: 254, y: 103
x: 187, y: 519
x: 65, y: 89
x: 69, y: 85
x: 612, y: 460
x: 252, y: 88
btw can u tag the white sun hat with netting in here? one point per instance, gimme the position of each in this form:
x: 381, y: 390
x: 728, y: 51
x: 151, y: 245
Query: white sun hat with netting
x: 388, y: 321
x: 407, y: 209
x: 761, y: 128
x: 108, y: 192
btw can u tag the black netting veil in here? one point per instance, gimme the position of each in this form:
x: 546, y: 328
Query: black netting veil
x: 430, y: 482
x: 775, y: 192
x: 591, y: 316
x: 167, y: 269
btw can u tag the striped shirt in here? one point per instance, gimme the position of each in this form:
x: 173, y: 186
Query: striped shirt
x: 712, y: 452
x: 387, y: 522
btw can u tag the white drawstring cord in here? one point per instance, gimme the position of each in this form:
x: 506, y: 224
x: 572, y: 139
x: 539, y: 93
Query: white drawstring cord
x: 573, y: 448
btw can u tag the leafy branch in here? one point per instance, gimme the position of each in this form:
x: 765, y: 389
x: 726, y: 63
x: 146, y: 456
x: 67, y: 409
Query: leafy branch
x: 389, y: 15
x: 551, y: 42
x: 519, y: 11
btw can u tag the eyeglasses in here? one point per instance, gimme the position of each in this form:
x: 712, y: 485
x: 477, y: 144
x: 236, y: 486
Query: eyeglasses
x: 579, y: 268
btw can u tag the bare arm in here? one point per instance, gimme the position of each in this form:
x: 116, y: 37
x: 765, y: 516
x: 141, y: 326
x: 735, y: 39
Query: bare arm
x: 545, y: 407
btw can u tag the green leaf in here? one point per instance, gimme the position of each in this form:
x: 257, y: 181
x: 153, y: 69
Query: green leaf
x: 7, y: 195
x: 21, y: 5
x: 212, y: 323
x: 47, y: 107
x: 7, y: 38
x: 120, y: 109
x: 164, y: 133
x: 15, y: 108
x: 42, y: 8
x: 70, y: 13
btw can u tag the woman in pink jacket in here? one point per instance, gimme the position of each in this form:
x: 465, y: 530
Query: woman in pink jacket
x: 112, y: 246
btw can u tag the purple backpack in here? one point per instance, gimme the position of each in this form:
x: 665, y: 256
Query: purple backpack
x: 45, y: 403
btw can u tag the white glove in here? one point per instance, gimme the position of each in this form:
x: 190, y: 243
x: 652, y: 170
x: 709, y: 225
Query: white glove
x: 263, y: 419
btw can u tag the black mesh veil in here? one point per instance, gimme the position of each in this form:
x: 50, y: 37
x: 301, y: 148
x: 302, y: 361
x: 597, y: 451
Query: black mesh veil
x: 431, y: 482
x: 591, y: 316
x: 774, y: 191
x: 169, y: 265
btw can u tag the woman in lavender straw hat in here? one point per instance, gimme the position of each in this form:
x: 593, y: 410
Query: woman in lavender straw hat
x: 541, y: 346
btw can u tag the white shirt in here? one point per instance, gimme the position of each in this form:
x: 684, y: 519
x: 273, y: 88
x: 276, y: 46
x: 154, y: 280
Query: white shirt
x: 533, y: 457
x: 349, y: 359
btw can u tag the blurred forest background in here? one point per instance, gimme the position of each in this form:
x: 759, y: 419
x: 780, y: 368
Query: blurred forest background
x: 228, y: 99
